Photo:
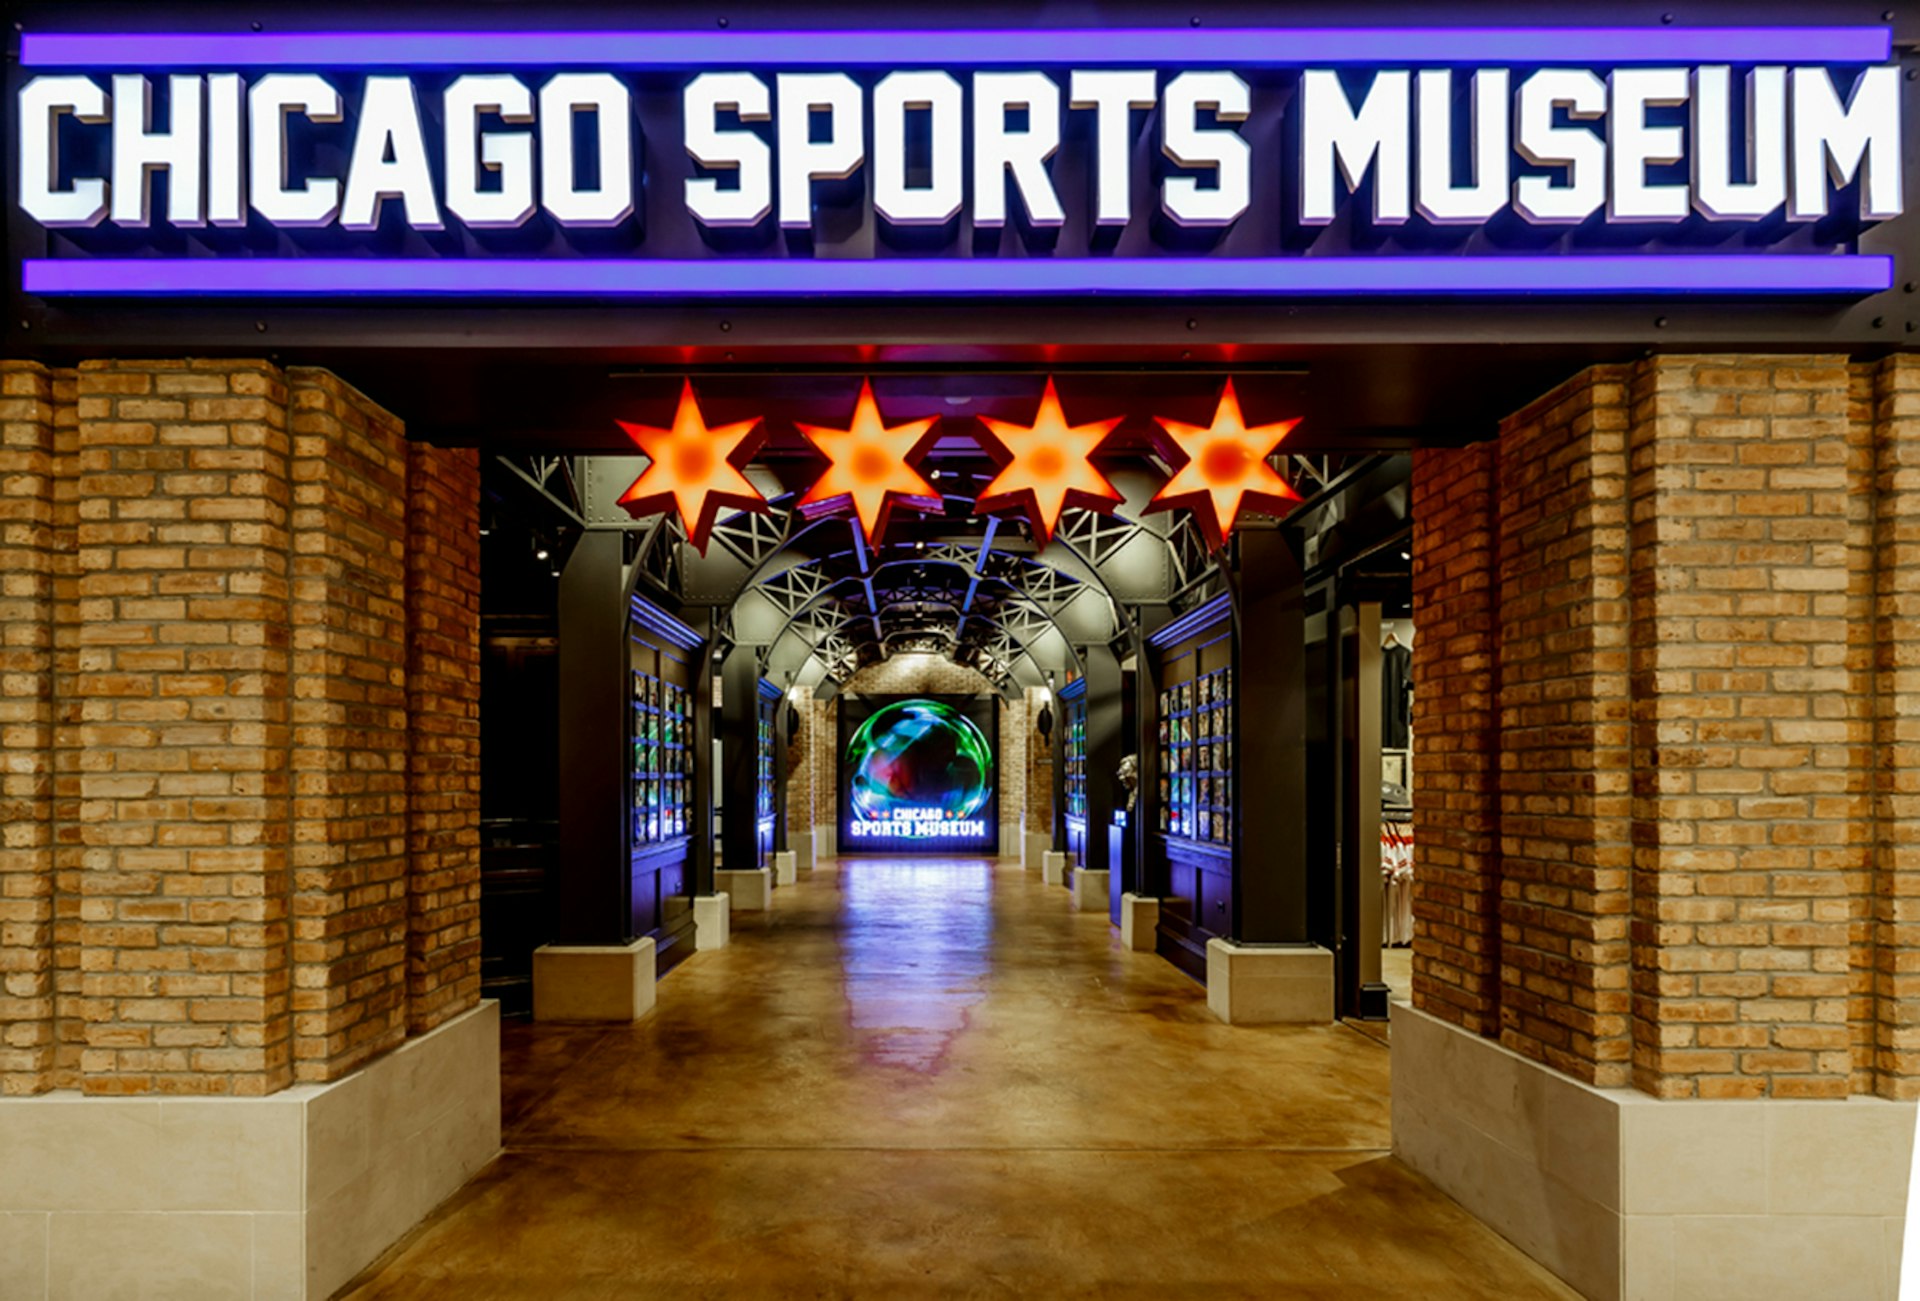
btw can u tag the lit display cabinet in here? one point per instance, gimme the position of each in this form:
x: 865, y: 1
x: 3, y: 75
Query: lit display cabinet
x: 766, y: 786
x: 661, y: 716
x: 1075, y: 712
x: 662, y: 768
x: 1193, y: 788
x: 1196, y: 758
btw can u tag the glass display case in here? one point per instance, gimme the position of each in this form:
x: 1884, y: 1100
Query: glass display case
x: 1196, y: 758
x: 1074, y: 758
x: 662, y: 760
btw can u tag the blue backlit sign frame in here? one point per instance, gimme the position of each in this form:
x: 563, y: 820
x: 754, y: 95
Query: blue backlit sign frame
x: 1197, y: 258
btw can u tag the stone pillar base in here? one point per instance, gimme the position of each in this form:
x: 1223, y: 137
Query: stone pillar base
x: 1033, y: 849
x: 1138, y: 919
x: 1625, y: 1195
x: 711, y: 925
x: 1053, y: 867
x: 802, y: 842
x: 1254, y: 985
x: 786, y: 867
x: 826, y: 842
x: 289, y: 1195
x: 751, y: 889
x: 591, y: 982
x: 1090, y: 891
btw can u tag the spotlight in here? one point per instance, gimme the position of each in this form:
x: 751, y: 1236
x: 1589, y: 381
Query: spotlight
x: 1406, y: 555
x: 541, y: 554
x: 933, y: 474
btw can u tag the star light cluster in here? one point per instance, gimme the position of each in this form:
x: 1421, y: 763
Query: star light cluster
x: 1222, y: 468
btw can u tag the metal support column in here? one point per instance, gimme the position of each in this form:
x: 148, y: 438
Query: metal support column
x: 1104, y: 749
x: 739, y: 718
x: 594, y: 866
x: 1270, y: 750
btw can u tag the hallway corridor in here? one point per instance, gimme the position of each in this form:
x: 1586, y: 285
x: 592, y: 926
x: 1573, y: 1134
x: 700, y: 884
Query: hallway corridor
x: 918, y: 1077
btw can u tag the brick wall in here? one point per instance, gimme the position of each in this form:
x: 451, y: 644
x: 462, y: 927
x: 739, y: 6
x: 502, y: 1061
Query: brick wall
x: 27, y: 560
x: 1890, y: 1063
x: 443, y: 709
x: 1457, y: 937
x: 1689, y: 581
x: 800, y: 765
x: 209, y: 639
x: 1564, y: 777
x: 1038, y: 811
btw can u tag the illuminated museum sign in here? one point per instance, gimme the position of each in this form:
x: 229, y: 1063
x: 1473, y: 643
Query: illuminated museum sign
x: 675, y: 163
x: 917, y: 824
x: 919, y: 769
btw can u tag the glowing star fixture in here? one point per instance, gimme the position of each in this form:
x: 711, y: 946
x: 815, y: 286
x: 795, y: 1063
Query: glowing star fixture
x: 695, y: 470
x: 870, y: 466
x: 1049, y: 469
x: 1226, y: 470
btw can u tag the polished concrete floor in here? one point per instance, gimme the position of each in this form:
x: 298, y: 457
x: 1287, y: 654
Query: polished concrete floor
x: 929, y: 1078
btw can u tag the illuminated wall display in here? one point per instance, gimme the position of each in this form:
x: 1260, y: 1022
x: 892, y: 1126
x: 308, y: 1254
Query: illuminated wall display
x: 1200, y: 162
x: 918, y: 774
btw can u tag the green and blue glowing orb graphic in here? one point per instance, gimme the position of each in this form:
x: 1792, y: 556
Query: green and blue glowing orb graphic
x: 920, y: 761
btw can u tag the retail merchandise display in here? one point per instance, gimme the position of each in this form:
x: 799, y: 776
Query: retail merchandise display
x: 662, y: 766
x: 1196, y: 758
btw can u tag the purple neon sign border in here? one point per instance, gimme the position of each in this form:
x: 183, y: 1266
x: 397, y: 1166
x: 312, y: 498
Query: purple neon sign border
x: 780, y: 278
x: 1230, y: 47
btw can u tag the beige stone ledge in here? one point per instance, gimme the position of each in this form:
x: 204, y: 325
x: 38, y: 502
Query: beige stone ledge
x: 259, y: 1199
x: 826, y: 841
x: 1628, y: 1196
x: 1033, y: 847
x: 786, y: 867
x: 1269, y: 985
x: 751, y: 888
x: 712, y: 921
x: 1139, y: 918
x: 1090, y: 891
x: 591, y: 982
x: 803, y: 849
x: 1053, y: 867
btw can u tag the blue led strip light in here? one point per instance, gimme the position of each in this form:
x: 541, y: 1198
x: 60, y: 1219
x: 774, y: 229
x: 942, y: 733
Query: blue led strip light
x: 637, y: 278
x: 1085, y: 47
x: 1073, y: 690
x: 1191, y: 622
x: 768, y: 691
x: 659, y: 622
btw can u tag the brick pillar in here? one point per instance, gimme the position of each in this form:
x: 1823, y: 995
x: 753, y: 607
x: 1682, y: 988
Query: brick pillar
x: 1016, y: 734
x: 1894, y: 954
x: 1456, y: 936
x: 183, y: 686
x: 27, y: 561
x: 238, y: 729
x: 1713, y: 722
x: 800, y: 764
x: 1039, y: 765
x: 443, y: 703
x: 1564, y: 777
x: 349, y: 756
x: 1751, y: 804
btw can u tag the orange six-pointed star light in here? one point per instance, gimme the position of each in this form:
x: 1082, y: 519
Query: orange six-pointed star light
x: 869, y: 466
x: 1049, y: 469
x: 1226, y: 471
x: 695, y: 470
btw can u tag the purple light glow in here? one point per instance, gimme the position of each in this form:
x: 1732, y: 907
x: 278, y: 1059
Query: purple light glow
x: 778, y: 278
x: 1224, y: 47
